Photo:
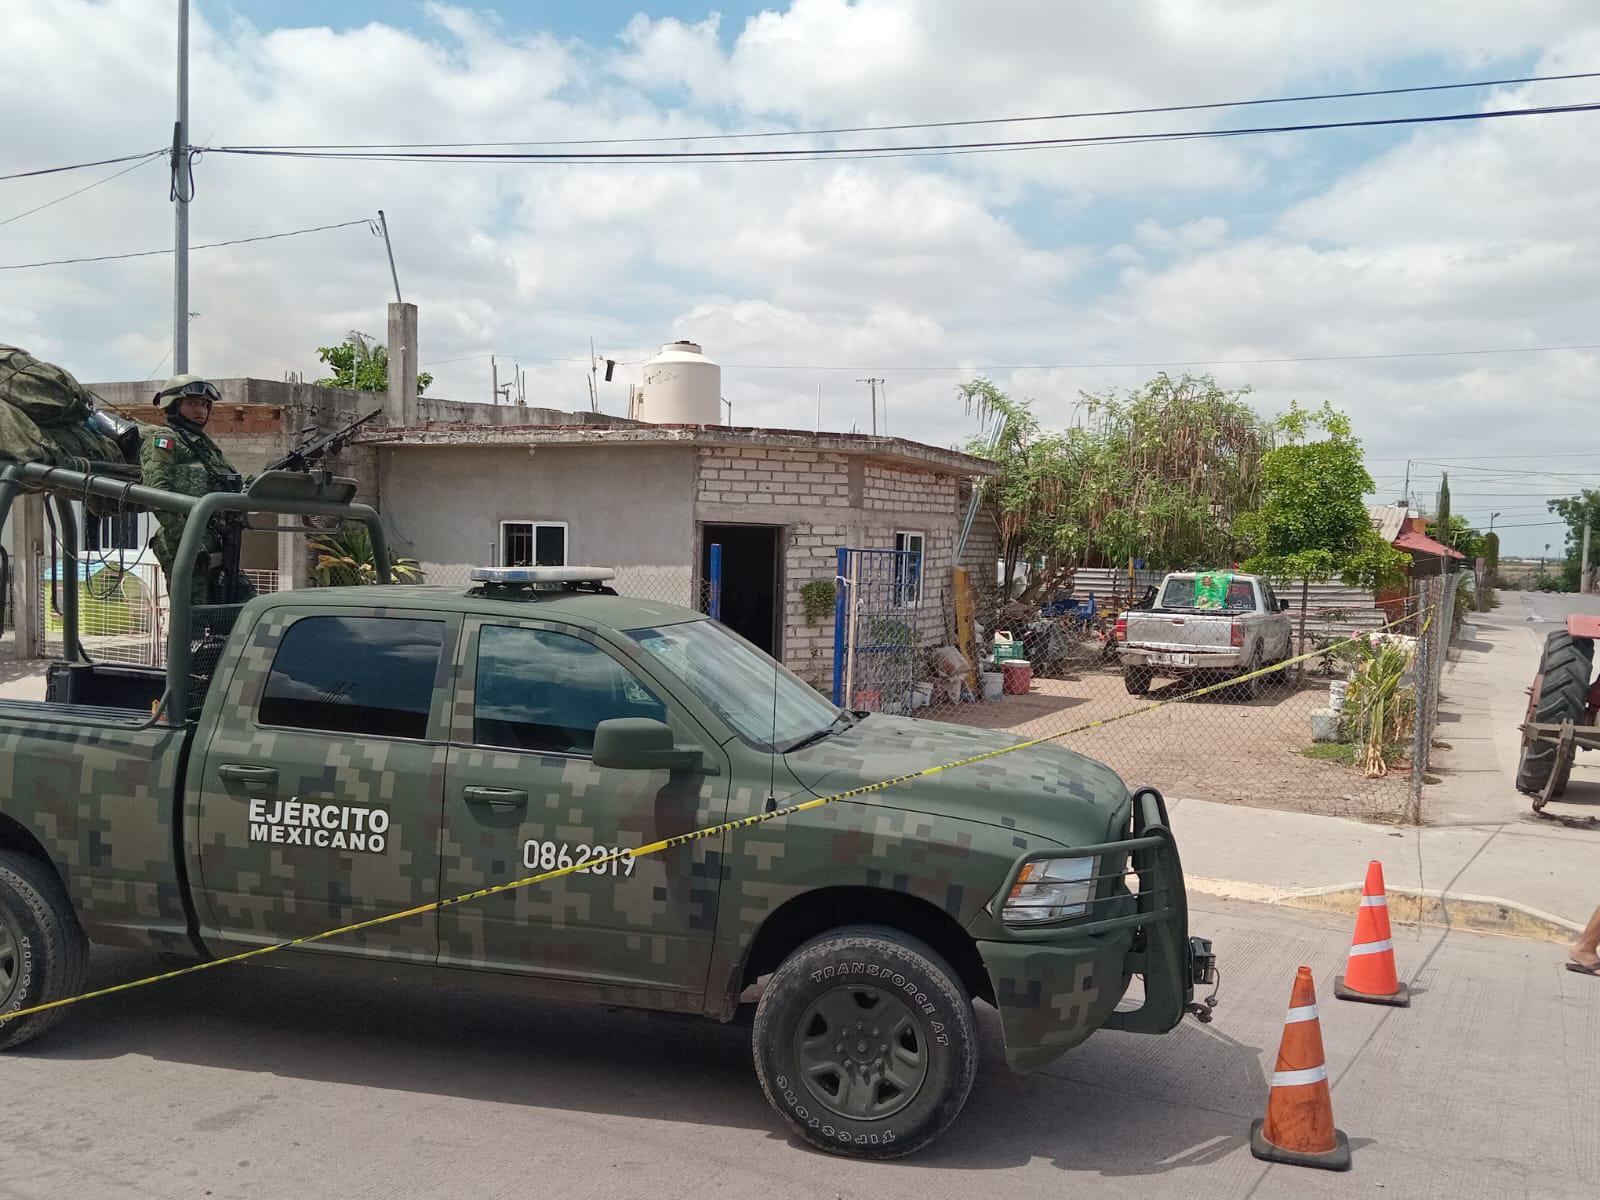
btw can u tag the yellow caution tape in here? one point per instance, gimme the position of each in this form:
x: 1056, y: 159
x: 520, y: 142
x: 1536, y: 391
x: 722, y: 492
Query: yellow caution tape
x: 682, y: 839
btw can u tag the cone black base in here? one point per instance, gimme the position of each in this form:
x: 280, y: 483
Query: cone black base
x: 1401, y: 999
x: 1337, y: 1159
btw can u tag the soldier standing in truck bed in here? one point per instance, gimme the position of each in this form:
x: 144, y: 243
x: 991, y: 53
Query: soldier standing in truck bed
x: 181, y: 458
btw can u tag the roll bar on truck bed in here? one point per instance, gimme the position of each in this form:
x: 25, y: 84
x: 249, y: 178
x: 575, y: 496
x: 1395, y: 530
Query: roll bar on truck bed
x: 281, y: 493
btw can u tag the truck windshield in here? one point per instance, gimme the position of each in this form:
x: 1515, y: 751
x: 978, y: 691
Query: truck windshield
x: 767, y: 705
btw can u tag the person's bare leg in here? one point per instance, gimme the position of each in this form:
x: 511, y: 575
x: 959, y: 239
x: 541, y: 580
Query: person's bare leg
x: 1586, y: 950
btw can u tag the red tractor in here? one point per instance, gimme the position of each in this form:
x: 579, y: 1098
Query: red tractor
x: 1562, y: 708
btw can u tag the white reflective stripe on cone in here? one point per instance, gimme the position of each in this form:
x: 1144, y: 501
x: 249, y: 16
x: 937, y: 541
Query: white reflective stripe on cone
x: 1306, y: 1012
x: 1374, y: 902
x: 1373, y: 947
x: 1299, y: 1078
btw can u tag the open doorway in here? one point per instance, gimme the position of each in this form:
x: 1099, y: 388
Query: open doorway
x: 750, y: 583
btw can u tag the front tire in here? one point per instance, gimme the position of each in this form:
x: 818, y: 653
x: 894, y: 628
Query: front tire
x: 1560, y: 693
x: 43, y: 953
x: 865, y: 1044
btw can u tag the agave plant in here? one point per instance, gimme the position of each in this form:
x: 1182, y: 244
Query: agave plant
x: 345, y: 559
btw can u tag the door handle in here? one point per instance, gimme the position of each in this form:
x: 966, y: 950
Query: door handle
x: 494, y: 797
x: 252, y: 777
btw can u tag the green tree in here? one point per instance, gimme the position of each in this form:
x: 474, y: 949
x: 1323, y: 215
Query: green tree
x: 1312, y: 522
x: 1442, y: 521
x: 1491, y: 556
x: 1166, y: 471
x: 363, y: 364
x: 1575, y: 510
x: 1458, y: 534
x: 1158, y: 473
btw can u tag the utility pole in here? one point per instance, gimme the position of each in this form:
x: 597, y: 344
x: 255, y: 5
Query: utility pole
x: 873, y: 384
x: 1583, y: 563
x: 181, y: 196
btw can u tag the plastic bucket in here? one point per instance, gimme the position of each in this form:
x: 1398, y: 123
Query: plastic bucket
x: 993, y: 685
x: 921, y: 695
x: 1017, y: 677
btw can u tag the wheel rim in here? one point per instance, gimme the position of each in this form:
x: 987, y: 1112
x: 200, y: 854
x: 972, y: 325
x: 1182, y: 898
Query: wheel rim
x: 1533, y: 705
x: 10, y: 962
x: 862, y: 1052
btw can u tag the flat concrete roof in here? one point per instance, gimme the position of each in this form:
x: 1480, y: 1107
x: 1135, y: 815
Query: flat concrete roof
x: 901, y: 450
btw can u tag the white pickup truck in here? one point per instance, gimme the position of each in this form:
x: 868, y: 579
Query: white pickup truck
x: 1212, y: 623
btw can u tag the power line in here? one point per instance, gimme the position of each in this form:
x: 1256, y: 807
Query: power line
x: 818, y: 154
x: 266, y: 237
x: 1488, y: 457
x: 78, y: 192
x: 99, y: 162
x: 1070, y: 116
x: 1100, y: 366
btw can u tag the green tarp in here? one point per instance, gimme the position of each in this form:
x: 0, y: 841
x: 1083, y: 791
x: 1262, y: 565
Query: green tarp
x: 1211, y: 589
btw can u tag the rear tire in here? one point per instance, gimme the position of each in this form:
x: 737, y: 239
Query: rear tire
x: 906, y: 1049
x: 1137, y: 680
x: 43, y: 953
x: 1560, y: 693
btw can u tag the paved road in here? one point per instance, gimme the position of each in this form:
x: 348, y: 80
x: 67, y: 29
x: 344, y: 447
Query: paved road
x: 260, y: 1083
x: 1485, y: 700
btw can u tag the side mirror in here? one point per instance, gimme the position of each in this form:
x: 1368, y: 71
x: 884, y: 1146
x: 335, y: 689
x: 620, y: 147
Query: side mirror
x: 1283, y: 606
x: 640, y: 744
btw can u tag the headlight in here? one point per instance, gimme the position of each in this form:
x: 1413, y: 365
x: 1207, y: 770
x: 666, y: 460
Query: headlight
x: 1050, y: 889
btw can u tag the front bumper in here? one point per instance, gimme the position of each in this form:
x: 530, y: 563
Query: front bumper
x: 1054, y: 987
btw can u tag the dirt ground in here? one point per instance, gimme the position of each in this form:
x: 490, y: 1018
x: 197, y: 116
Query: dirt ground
x: 1216, y: 747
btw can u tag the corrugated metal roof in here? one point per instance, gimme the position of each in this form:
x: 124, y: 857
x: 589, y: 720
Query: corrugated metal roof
x: 1388, y: 519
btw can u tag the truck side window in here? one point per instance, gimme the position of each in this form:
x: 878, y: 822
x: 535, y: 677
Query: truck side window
x: 363, y: 675
x: 544, y: 691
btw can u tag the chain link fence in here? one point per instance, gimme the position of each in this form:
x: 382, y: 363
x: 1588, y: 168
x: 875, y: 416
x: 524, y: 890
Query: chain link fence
x: 1340, y: 723
x: 122, y: 610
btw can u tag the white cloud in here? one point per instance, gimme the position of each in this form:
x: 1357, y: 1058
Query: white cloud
x: 1471, y: 237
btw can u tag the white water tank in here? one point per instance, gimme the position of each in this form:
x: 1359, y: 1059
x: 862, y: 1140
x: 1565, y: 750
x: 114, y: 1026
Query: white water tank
x: 681, y: 387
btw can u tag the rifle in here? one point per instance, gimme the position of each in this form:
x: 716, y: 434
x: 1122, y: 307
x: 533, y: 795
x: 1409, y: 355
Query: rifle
x: 314, y: 447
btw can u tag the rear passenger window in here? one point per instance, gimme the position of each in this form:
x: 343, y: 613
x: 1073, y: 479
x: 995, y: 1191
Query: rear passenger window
x: 363, y: 675
x: 544, y: 691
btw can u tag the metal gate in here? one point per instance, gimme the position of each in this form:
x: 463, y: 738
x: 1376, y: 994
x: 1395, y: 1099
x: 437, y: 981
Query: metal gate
x: 876, y: 631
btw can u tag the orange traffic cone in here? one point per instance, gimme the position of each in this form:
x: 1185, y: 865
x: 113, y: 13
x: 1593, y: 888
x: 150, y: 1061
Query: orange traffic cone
x: 1370, y: 974
x: 1298, y: 1129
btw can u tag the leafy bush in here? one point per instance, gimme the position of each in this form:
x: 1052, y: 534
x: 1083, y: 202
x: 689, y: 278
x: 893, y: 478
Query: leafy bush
x: 345, y: 559
x: 1380, y: 708
x: 819, y: 597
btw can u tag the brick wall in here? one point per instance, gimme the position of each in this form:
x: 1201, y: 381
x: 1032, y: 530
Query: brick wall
x: 906, y: 490
x: 811, y: 552
x: 748, y: 475
x: 825, y: 501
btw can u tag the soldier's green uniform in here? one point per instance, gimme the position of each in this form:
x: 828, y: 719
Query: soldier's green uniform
x: 181, y: 458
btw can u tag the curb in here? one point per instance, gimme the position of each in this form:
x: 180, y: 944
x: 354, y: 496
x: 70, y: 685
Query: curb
x: 1407, y: 906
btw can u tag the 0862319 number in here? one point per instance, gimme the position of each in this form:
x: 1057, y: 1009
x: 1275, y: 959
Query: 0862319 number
x: 550, y: 856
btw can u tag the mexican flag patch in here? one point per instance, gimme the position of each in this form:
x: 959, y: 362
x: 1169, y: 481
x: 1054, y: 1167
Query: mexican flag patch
x: 164, y: 441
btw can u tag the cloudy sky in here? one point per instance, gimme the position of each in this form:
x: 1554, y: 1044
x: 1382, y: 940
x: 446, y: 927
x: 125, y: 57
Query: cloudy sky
x: 1051, y: 271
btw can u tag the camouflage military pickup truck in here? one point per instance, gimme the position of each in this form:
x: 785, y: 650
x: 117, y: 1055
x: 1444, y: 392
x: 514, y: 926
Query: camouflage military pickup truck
x: 345, y: 753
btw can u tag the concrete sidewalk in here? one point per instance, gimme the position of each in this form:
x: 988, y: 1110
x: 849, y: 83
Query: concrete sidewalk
x: 1486, y: 858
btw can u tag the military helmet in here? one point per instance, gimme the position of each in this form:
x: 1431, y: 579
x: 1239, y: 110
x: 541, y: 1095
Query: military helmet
x: 179, y: 386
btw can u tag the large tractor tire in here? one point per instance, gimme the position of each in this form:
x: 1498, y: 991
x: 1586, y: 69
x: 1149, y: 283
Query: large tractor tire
x: 1559, y: 693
